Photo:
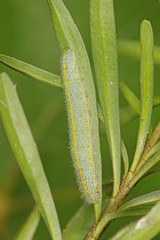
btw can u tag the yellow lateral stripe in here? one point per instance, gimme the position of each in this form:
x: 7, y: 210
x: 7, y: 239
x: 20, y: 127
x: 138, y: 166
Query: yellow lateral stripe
x: 94, y: 175
x: 73, y: 125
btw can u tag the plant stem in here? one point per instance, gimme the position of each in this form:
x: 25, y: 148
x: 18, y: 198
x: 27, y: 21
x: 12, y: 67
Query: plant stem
x: 152, y: 140
x: 114, y: 204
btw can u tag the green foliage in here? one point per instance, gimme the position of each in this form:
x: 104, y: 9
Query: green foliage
x: 103, y: 39
x: 30, y: 226
x: 25, y: 150
x: 145, y: 228
x: 91, y: 222
x: 31, y: 71
x: 146, y: 84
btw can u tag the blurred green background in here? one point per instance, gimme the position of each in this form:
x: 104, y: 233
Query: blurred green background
x: 26, y: 33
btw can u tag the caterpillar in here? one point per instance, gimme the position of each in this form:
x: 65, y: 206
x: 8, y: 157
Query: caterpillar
x: 80, y: 129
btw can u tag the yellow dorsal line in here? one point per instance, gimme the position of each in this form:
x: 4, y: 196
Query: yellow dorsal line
x: 73, y: 124
x: 94, y: 175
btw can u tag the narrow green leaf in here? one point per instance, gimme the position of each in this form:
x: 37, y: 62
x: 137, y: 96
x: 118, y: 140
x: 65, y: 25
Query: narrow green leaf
x: 127, y: 113
x: 30, y: 226
x: 151, y: 147
x: 154, y: 169
x: 146, y: 84
x: 151, y: 163
x: 100, y: 113
x: 145, y: 228
x: 83, y: 219
x: 124, y: 157
x: 103, y: 38
x: 148, y: 198
x: 129, y: 48
x: 153, y: 150
x: 38, y: 74
x: 128, y: 213
x: 69, y: 37
x: 132, y: 48
x: 25, y: 150
x: 147, y: 155
x: 97, y: 210
x: 130, y: 97
x: 156, y: 101
x: 123, y: 232
x: 80, y: 224
x: 152, y: 141
x: 123, y: 148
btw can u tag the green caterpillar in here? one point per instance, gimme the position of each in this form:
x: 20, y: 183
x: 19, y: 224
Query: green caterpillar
x: 80, y: 126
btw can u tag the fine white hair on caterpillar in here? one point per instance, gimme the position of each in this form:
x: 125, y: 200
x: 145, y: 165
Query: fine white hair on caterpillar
x: 80, y: 129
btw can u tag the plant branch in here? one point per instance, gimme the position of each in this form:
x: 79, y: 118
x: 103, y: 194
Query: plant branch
x: 127, y: 183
